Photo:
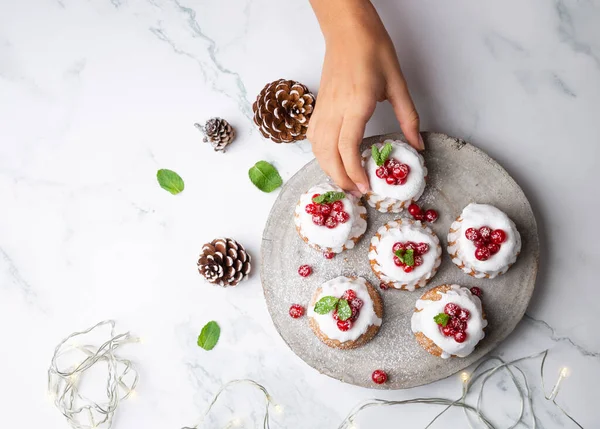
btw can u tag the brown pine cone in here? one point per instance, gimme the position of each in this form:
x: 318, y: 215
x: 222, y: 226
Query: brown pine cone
x: 282, y: 111
x: 217, y: 132
x: 225, y: 262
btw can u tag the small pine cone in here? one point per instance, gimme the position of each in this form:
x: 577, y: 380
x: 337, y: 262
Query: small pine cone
x: 282, y: 111
x: 225, y: 262
x: 217, y: 132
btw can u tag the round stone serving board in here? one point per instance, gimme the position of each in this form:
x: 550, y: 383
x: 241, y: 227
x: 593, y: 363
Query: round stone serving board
x: 459, y: 173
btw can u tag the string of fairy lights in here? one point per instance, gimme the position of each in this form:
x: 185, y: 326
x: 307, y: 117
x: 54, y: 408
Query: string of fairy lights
x: 64, y: 387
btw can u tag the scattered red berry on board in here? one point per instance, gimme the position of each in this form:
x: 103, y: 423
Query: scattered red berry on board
x: 296, y: 311
x: 476, y: 291
x: 383, y: 286
x: 417, y: 213
x: 304, y: 270
x: 460, y: 337
x: 344, y: 325
x: 498, y: 236
x: 482, y: 253
x: 328, y: 255
x: 379, y: 376
x: 414, y: 209
x: 431, y: 215
x: 451, y: 309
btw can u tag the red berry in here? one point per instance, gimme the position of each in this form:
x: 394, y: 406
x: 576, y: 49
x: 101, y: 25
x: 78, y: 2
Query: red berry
x: 304, y: 270
x: 383, y: 286
x: 464, y: 315
x: 318, y: 219
x: 390, y: 163
x: 311, y: 209
x: 418, y: 261
x: 414, y: 209
x: 328, y: 255
x: 431, y: 215
x: 460, y: 337
x: 410, y: 245
x: 402, y: 181
x: 493, y: 248
x: 397, y: 246
x: 390, y: 180
x: 379, y: 377
x: 326, y: 209
x: 331, y: 222
x: 485, y: 232
x: 356, y: 303
x: 315, y: 196
x: 349, y: 295
x: 401, y: 171
x: 422, y: 248
x: 335, y: 315
x: 355, y: 312
x: 498, y: 236
x: 457, y: 324
x: 296, y: 311
x: 344, y: 325
x: 480, y: 242
x: 408, y: 268
x: 451, y: 309
x: 381, y: 172
x: 338, y: 206
x: 448, y: 331
x: 398, y: 262
x: 342, y: 217
x: 476, y: 291
x: 472, y: 234
x: 482, y: 253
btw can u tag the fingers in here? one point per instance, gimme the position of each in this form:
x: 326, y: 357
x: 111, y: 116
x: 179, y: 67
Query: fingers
x: 351, y: 135
x: 324, y: 141
x: 405, y: 110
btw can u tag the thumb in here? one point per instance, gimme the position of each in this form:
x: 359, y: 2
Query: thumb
x: 405, y: 111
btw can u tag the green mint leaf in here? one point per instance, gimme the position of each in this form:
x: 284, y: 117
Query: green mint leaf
x: 400, y: 254
x: 326, y: 304
x: 441, y: 319
x: 344, y: 310
x: 385, y: 152
x: 209, y: 335
x: 329, y: 197
x: 375, y: 155
x: 409, y: 257
x: 170, y: 181
x: 265, y: 177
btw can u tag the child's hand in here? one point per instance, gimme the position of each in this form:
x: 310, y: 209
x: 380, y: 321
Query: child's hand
x: 360, y: 69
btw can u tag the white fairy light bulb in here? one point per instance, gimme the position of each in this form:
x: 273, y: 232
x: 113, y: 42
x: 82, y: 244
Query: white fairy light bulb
x: 278, y: 408
x: 565, y: 372
x: 465, y: 377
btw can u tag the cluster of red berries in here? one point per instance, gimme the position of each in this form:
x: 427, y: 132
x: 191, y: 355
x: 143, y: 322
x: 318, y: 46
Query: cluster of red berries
x: 487, y: 241
x: 355, y: 305
x: 327, y: 214
x: 296, y: 311
x: 457, y: 324
x: 379, y: 376
x: 417, y: 213
x: 393, y: 172
x: 419, y: 250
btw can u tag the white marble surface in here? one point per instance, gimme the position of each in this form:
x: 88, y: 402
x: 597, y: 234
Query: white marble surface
x: 96, y: 95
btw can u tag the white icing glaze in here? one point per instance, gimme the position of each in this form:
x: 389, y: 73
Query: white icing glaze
x: 367, y: 317
x: 381, y: 252
x: 339, y: 237
x: 422, y: 321
x: 393, y: 198
x: 476, y: 216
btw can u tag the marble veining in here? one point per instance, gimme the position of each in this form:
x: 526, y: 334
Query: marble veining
x: 95, y: 96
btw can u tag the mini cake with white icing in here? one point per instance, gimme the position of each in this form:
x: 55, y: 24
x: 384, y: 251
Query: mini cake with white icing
x: 483, y: 241
x: 449, y: 321
x: 345, y: 312
x: 396, y: 173
x: 329, y: 220
x: 405, y: 254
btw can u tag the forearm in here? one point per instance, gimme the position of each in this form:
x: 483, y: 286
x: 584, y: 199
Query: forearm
x: 339, y: 16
